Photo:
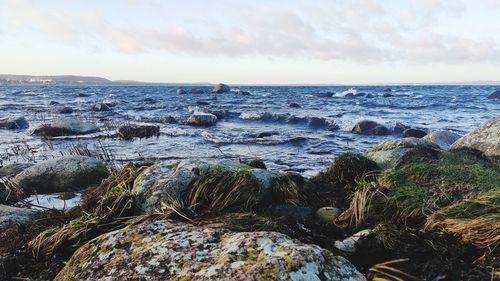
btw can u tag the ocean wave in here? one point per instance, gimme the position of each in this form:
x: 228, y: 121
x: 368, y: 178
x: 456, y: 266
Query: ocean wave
x: 312, y: 122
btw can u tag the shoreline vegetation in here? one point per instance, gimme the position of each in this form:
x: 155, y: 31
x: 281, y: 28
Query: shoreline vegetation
x: 420, y: 207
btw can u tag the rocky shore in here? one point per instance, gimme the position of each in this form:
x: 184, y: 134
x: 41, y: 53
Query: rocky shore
x: 420, y: 207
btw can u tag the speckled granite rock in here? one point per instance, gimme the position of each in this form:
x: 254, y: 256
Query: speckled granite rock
x: 168, y: 250
x: 443, y: 139
x: 61, y: 174
x: 12, y: 215
x: 486, y: 139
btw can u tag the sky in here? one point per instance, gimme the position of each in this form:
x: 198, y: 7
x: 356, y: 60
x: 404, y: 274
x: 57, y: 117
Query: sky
x: 254, y: 42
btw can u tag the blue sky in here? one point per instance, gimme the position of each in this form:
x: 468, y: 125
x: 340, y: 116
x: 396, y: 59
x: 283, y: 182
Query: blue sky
x: 246, y: 42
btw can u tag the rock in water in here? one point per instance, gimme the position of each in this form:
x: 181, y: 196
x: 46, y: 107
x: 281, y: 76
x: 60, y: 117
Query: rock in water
x: 100, y: 107
x: 389, y: 154
x: 294, y: 105
x: 485, y: 139
x: 495, y: 95
x: 13, y: 123
x: 221, y: 88
x: 202, y: 119
x: 443, y: 139
x: 413, y: 133
x: 11, y: 215
x: 168, y: 250
x: 181, y: 91
x: 168, y: 120
x: 370, y: 127
x: 129, y: 132
x: 66, y: 127
x: 62, y: 174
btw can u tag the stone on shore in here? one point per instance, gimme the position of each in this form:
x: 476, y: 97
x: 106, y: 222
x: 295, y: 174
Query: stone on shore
x: 202, y: 119
x: 221, y: 88
x: 443, y: 139
x: 67, y: 173
x: 168, y: 250
x: 12, y: 215
x: 13, y: 123
x: 370, y: 127
x: 13, y: 169
x: 485, y: 139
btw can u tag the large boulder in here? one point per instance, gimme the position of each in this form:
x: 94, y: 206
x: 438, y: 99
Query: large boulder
x: 443, y: 139
x: 389, y: 154
x: 495, y: 95
x: 221, y: 88
x: 370, y: 127
x: 11, y: 215
x: 13, y: 123
x: 169, y: 182
x: 202, y: 119
x: 62, y: 174
x: 485, y: 139
x: 13, y: 169
x: 168, y: 250
x: 66, y: 127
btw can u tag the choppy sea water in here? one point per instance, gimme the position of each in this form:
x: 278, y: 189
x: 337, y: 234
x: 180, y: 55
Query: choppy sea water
x: 291, y: 141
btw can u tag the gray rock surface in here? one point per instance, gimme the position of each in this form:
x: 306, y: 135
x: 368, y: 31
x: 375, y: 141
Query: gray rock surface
x: 13, y: 123
x: 485, y: 139
x: 202, y: 119
x: 221, y: 88
x: 12, y: 215
x: 443, y: 139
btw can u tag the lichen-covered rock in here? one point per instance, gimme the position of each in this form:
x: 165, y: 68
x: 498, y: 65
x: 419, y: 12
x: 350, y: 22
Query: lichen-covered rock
x: 370, y: 127
x: 443, y: 139
x: 12, y: 215
x: 202, y: 119
x: 13, y: 123
x: 221, y: 88
x: 168, y: 250
x: 13, y: 169
x: 388, y: 154
x: 169, y: 182
x: 62, y: 174
x: 485, y: 139
x: 66, y: 127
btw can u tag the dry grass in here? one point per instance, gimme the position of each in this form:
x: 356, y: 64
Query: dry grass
x: 359, y: 208
x: 387, y: 272
x: 286, y: 191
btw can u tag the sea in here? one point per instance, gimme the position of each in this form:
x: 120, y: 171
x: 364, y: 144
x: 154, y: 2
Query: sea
x: 255, y: 121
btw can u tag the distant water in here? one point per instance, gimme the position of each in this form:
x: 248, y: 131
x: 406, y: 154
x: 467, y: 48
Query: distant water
x: 293, y: 139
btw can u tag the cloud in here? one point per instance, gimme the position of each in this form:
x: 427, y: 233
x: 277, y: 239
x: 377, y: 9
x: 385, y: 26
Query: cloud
x: 359, y: 30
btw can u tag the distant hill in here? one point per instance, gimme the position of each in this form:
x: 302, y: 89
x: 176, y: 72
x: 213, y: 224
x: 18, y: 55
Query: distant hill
x: 59, y: 79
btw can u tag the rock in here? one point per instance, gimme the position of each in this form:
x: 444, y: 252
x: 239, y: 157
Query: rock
x: 220, y: 114
x: 13, y: 123
x: 444, y: 139
x: 10, y: 216
x: 325, y: 94
x: 370, y: 127
x: 202, y: 103
x: 294, y: 105
x: 62, y: 109
x: 65, y: 127
x: 169, y: 250
x: 266, y: 134
x: 297, y: 214
x: 317, y: 122
x: 131, y: 131
x: 221, y: 88
x: 495, y: 95
x: 400, y: 127
x: 101, y: 107
x: 195, y: 91
x: 181, y: 91
x: 485, y: 139
x: 202, y: 119
x: 168, y: 120
x: 387, y: 90
x: 387, y: 95
x: 351, y: 244
x: 257, y: 163
x: 244, y: 93
x: 53, y: 103
x: 327, y: 215
x: 168, y: 182
x: 389, y: 154
x: 149, y: 100
x: 413, y: 133
x: 13, y: 169
x: 67, y: 173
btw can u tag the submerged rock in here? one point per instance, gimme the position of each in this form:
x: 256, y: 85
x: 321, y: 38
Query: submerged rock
x: 443, y: 139
x: 13, y: 123
x: 168, y: 250
x: 202, y: 119
x: 413, y: 133
x: 65, y: 127
x: 62, y: 174
x: 495, y: 95
x: 62, y: 109
x: 221, y: 88
x: 11, y: 215
x: 370, y: 127
x: 389, y: 154
x: 294, y: 105
x: 485, y: 139
x: 131, y: 131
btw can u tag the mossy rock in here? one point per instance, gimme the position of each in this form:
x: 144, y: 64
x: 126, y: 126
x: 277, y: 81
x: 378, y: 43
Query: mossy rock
x: 327, y: 215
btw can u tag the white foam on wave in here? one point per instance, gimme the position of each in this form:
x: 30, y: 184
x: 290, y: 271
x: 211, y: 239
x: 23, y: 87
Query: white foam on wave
x: 351, y: 91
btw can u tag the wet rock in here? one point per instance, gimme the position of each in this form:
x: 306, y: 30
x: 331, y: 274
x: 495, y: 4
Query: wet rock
x: 168, y: 250
x: 370, y: 127
x: 10, y: 216
x: 131, y: 131
x: 168, y: 120
x: 443, y: 139
x: 61, y: 174
x: 101, y: 107
x: 181, y: 91
x: 351, y: 244
x: 13, y: 169
x: 65, y: 127
x: 413, y: 133
x: 294, y: 105
x: 317, y: 122
x: 62, y: 109
x: 495, y: 95
x: 195, y: 91
x: 244, y: 93
x: 257, y: 163
x: 53, y: 103
x: 266, y: 134
x: 202, y: 119
x: 221, y: 88
x: 13, y: 123
x: 387, y: 95
x: 400, y: 127
x: 149, y: 100
x: 296, y: 214
x: 202, y: 103
x: 485, y: 139
x: 327, y: 215
x: 389, y: 154
x: 220, y: 114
